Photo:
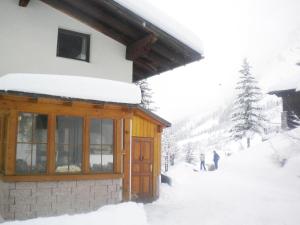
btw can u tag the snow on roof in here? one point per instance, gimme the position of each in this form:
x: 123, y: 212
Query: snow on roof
x: 286, y: 83
x: 78, y: 87
x: 161, y: 20
x: 282, y: 72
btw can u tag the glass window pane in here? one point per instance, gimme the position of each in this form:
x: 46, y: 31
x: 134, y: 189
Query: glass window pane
x: 107, y: 132
x: 75, y: 158
x: 25, y: 127
x: 95, y: 157
x: 101, y: 145
x: 23, y: 159
x: 68, y: 144
x: 62, y: 158
x: 73, y: 45
x: 40, y: 128
x: 95, y: 132
x: 39, y: 158
x: 107, y: 158
x: 31, y: 154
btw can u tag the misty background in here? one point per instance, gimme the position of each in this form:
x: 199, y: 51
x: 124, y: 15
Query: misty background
x: 267, y: 32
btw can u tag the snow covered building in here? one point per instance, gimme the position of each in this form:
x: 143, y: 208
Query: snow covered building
x: 289, y: 90
x: 72, y: 134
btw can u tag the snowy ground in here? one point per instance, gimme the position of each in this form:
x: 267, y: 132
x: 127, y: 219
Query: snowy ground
x: 250, y: 188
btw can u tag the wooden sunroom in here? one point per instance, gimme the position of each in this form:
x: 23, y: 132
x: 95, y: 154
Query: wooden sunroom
x: 46, y: 139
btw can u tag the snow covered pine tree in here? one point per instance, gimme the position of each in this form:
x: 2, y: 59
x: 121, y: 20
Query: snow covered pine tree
x: 147, y: 93
x: 169, y: 148
x: 247, y: 116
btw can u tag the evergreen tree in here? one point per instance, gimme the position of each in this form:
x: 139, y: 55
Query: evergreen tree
x: 147, y: 93
x: 169, y: 148
x: 189, y: 152
x: 247, y: 116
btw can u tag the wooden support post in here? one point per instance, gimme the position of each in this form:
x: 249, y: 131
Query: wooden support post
x: 86, y: 145
x: 51, y: 144
x: 141, y: 47
x: 23, y: 3
x: 10, y: 156
x: 126, y: 164
x: 118, y: 150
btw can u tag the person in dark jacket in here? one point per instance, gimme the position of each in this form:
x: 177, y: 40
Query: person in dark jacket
x: 202, y: 162
x: 216, y: 159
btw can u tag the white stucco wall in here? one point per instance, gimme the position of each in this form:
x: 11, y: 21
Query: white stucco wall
x: 28, y: 42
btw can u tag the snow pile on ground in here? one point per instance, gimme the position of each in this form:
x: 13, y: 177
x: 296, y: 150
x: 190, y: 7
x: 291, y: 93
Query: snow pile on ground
x: 251, y: 187
x: 125, y: 214
x: 77, y: 87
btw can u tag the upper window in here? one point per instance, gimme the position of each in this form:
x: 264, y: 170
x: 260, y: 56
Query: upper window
x: 68, y: 141
x: 73, y: 45
x: 101, y: 145
x: 32, y: 143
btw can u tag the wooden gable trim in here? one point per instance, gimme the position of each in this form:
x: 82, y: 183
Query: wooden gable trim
x: 142, y: 114
x: 141, y: 47
x: 23, y: 3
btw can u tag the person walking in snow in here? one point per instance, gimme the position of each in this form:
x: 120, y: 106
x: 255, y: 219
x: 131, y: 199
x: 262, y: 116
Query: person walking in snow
x: 216, y: 159
x: 202, y: 162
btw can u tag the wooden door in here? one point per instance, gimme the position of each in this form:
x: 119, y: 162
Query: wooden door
x: 141, y: 169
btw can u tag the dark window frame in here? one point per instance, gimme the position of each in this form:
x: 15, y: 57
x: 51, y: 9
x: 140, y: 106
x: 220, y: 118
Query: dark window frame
x: 74, y: 33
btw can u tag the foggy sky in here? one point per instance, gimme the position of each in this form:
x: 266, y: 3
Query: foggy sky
x: 230, y: 31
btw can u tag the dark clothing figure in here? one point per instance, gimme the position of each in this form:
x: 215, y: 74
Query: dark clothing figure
x: 216, y: 159
x: 202, y: 162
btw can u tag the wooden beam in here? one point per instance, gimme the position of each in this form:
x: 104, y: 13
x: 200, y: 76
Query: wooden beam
x: 145, y: 65
x: 141, y: 47
x: 60, y: 177
x: 23, y: 3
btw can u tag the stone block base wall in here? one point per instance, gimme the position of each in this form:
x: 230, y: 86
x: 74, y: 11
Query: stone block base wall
x: 25, y: 200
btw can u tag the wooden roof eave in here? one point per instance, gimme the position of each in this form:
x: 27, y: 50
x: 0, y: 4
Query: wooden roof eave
x: 128, y: 28
x: 281, y: 93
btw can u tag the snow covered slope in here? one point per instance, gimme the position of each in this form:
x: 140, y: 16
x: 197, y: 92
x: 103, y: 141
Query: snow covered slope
x: 210, y: 131
x: 251, y: 187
